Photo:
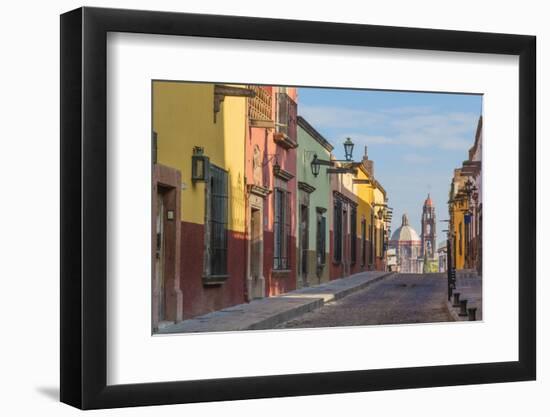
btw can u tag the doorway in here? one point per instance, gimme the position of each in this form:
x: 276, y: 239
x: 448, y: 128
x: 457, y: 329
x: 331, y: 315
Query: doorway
x: 167, y: 297
x: 345, y: 237
x: 303, y: 245
x: 256, y: 281
x: 160, y: 258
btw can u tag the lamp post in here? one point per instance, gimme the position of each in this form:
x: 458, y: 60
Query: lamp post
x: 451, y: 272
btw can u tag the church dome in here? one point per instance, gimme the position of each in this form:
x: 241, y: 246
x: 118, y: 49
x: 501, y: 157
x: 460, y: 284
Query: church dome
x: 405, y: 232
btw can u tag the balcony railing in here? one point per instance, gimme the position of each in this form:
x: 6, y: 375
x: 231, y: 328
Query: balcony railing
x: 286, y: 133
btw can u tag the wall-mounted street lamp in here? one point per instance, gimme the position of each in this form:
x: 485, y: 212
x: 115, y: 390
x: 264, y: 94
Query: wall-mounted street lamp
x: 348, y: 150
x: 316, y: 165
x: 384, y: 211
x: 469, y: 188
x: 315, y: 168
x: 200, y: 165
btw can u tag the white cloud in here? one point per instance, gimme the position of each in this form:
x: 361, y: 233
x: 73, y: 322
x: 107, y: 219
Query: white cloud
x: 340, y: 117
x: 408, y: 110
x: 416, y: 127
x: 417, y: 158
x: 362, y: 139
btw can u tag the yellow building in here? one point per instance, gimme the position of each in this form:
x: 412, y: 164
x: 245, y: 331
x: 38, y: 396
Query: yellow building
x: 380, y: 238
x: 458, y: 206
x: 465, y: 210
x: 198, y: 198
x: 372, y: 217
x: 343, y: 222
x: 364, y: 190
x: 183, y: 119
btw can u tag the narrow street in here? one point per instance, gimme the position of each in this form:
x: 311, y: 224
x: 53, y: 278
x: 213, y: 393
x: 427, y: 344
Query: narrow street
x: 401, y: 298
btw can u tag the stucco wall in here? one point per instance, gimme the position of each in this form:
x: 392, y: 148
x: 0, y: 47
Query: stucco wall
x: 183, y: 117
x: 320, y: 198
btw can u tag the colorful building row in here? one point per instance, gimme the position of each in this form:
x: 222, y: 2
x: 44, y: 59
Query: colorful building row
x: 466, y: 209
x: 239, y: 212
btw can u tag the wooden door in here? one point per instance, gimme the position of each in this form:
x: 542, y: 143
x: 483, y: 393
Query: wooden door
x: 159, y: 261
x: 304, y: 243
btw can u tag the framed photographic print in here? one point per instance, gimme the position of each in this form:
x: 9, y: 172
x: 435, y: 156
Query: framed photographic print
x: 256, y: 208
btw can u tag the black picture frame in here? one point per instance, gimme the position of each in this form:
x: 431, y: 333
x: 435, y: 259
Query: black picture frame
x: 84, y: 207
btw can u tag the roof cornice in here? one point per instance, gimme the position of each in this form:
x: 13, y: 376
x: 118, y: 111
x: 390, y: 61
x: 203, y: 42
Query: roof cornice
x: 304, y: 124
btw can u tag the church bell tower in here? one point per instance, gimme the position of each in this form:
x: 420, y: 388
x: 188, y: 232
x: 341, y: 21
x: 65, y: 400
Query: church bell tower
x: 428, y: 229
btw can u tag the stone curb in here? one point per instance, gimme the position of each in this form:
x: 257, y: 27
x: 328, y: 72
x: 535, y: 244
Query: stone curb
x: 271, y: 322
x: 316, y: 303
x: 348, y: 291
x: 319, y: 296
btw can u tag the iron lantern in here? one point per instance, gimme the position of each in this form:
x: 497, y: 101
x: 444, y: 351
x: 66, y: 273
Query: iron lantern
x: 315, y: 166
x: 348, y: 149
x: 200, y: 165
x: 470, y: 188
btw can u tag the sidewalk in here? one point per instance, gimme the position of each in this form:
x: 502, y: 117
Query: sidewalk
x: 266, y: 313
x: 469, y: 285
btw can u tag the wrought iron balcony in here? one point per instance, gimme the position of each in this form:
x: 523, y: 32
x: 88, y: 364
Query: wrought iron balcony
x: 286, y: 132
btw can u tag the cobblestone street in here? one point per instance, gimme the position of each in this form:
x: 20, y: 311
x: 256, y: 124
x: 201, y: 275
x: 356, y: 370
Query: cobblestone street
x: 401, y: 298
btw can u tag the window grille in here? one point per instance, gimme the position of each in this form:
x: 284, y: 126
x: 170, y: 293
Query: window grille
x: 281, y: 229
x: 217, y: 243
x: 371, y: 240
x: 460, y: 238
x: 353, y: 226
x: 304, y: 237
x: 363, y: 242
x: 154, y: 147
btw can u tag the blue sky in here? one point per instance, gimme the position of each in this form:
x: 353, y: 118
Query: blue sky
x: 415, y: 140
